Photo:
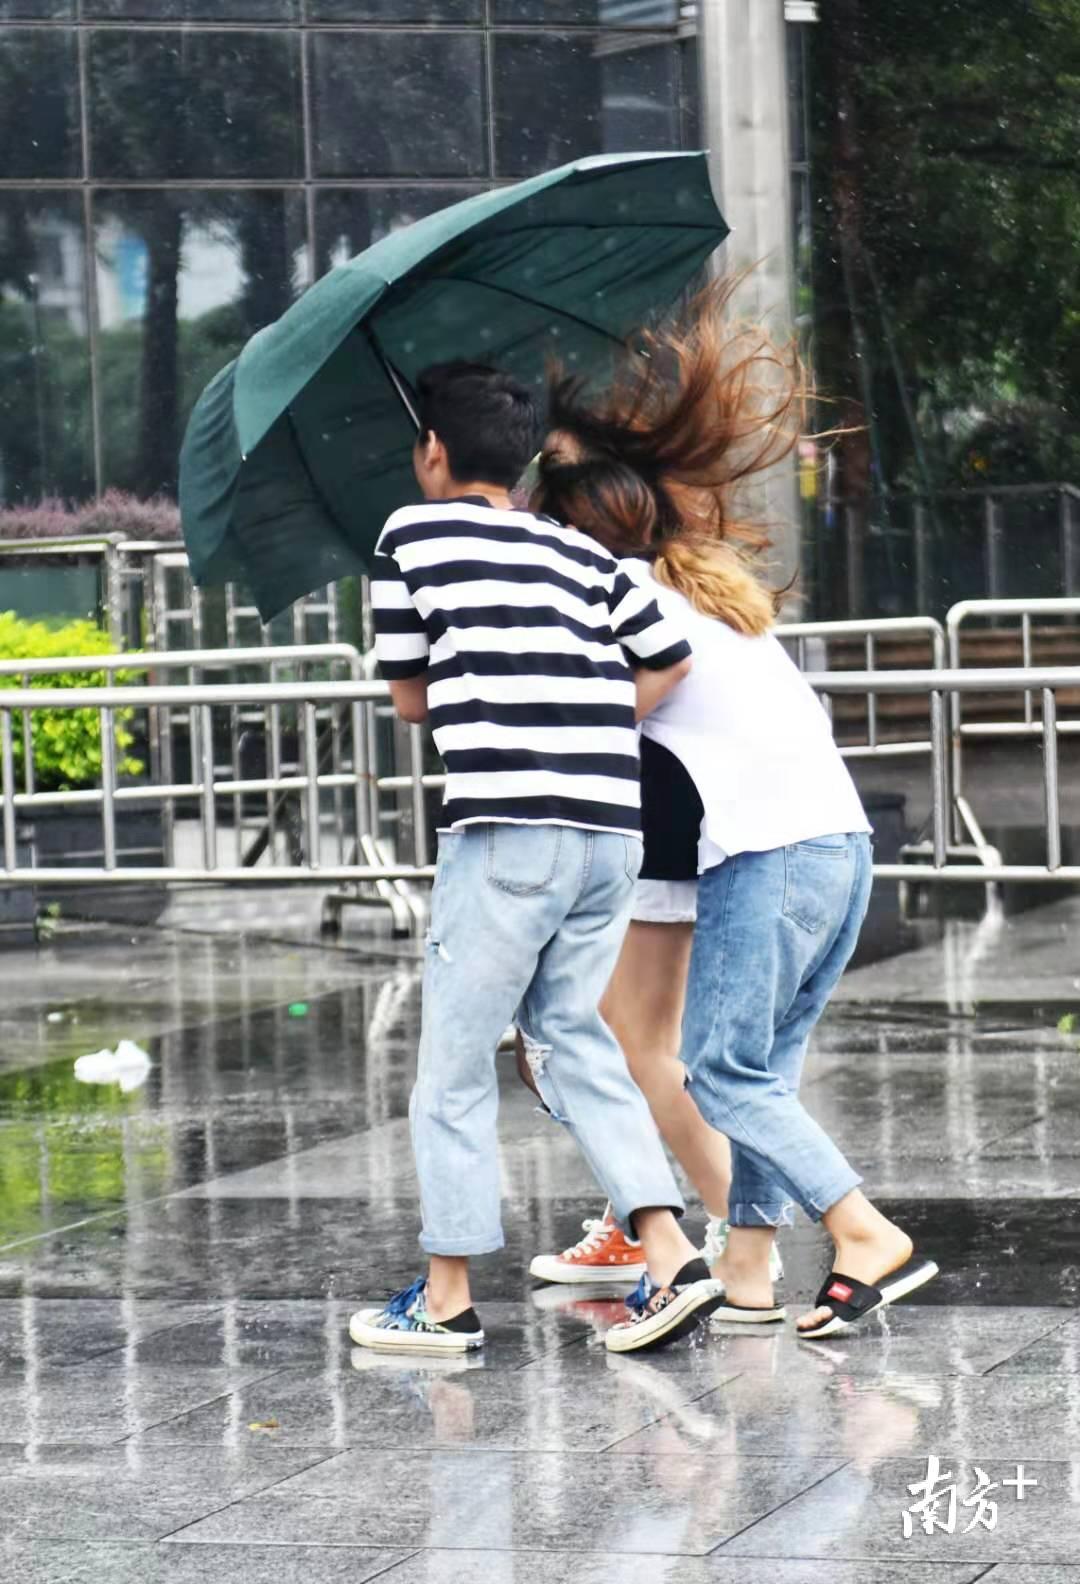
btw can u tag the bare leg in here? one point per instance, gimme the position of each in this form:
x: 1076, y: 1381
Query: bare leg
x: 448, y: 1286
x: 643, y: 1007
x: 667, y: 1247
x: 744, y: 1267
x: 868, y: 1246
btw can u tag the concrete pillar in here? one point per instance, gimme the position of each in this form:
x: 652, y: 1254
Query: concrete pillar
x: 746, y: 129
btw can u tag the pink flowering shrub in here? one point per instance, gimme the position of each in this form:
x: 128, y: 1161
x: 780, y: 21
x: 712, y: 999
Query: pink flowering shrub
x: 114, y: 513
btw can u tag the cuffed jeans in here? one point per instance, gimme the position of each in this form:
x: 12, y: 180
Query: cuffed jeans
x: 775, y: 931
x: 526, y: 922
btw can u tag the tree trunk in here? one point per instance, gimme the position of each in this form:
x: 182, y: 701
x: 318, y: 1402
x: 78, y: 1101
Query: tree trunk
x: 159, y: 396
x: 264, y: 254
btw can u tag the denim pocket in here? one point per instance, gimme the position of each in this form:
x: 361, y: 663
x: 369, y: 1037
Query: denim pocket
x: 522, y: 859
x: 834, y: 846
x: 817, y: 882
x: 635, y: 857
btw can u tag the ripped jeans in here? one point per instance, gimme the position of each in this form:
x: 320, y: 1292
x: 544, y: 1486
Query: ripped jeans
x: 775, y: 931
x: 526, y: 923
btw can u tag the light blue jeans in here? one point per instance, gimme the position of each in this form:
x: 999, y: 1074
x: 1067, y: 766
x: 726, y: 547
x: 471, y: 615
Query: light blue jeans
x: 775, y: 931
x: 526, y: 924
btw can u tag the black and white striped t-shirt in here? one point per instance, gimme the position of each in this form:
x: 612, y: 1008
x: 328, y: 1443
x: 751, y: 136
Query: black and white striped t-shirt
x: 526, y: 631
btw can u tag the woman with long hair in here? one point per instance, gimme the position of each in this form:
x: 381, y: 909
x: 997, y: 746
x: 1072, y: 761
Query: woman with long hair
x: 757, y: 869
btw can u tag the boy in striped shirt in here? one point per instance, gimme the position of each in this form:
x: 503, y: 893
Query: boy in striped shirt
x: 532, y: 655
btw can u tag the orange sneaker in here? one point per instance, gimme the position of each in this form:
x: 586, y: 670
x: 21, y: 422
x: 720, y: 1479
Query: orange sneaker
x: 604, y: 1255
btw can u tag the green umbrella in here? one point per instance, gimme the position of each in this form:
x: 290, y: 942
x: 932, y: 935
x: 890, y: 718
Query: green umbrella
x: 298, y: 451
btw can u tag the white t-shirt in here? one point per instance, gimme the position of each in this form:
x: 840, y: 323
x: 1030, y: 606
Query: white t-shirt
x: 753, y: 736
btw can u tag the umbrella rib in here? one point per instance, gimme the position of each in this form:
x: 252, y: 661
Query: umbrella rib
x: 532, y: 302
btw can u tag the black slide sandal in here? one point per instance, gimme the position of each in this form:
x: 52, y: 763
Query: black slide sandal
x: 851, y: 1300
x: 730, y: 1313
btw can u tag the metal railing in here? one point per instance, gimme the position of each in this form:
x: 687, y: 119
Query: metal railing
x: 960, y: 616
x: 311, y: 781
x: 146, y: 595
x: 203, y: 791
x: 164, y: 726
x: 1048, y: 681
x: 811, y: 642
x: 350, y: 790
x: 333, y: 780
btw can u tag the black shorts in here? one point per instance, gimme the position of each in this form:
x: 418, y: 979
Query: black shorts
x: 671, y: 815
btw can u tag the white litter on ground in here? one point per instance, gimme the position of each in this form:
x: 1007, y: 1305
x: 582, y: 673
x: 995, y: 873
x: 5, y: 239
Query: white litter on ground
x: 128, y: 1065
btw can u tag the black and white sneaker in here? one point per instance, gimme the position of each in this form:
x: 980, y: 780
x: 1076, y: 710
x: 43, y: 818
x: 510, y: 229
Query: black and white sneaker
x: 663, y: 1314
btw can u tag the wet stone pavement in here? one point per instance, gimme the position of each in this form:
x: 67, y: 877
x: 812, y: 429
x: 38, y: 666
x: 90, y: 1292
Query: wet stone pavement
x: 179, y: 1399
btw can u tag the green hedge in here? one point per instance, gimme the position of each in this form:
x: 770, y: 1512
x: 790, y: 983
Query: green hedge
x: 66, y: 743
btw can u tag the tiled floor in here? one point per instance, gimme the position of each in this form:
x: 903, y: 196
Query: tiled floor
x: 179, y: 1399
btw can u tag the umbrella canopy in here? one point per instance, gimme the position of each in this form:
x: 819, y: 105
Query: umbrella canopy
x: 298, y: 451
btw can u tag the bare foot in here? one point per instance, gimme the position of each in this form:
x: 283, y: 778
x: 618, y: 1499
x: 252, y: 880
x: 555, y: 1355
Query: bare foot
x: 667, y: 1248
x: 868, y: 1259
x: 745, y: 1283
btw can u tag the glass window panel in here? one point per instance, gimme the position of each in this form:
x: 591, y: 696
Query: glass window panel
x: 195, y: 104
x: 395, y: 10
x: 399, y: 104
x: 44, y: 9
x: 690, y: 92
x: 39, y: 103
x: 561, y: 95
x: 195, y: 10
x: 184, y: 278
x: 601, y: 13
x: 349, y: 220
x: 46, y: 433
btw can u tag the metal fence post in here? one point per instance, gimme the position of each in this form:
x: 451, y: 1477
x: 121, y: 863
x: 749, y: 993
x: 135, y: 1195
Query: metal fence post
x: 940, y: 779
x: 1069, y: 514
x: 1050, y: 779
x: 994, y: 547
x: 311, y: 789
x: 203, y: 732
x: 108, y: 786
x: 855, y: 542
x: 114, y: 595
x: 7, y: 785
x: 921, y: 539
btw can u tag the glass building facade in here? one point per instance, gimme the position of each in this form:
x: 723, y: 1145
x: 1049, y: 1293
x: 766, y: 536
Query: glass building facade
x: 174, y: 172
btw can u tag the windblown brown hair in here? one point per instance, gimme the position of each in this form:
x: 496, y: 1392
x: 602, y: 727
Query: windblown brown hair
x: 654, y: 465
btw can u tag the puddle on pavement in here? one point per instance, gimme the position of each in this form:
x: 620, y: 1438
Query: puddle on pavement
x: 1050, y: 1015
x: 220, y: 1097
x: 72, y: 1149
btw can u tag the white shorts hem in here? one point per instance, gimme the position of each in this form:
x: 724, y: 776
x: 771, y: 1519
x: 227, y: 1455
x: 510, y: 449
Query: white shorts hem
x: 665, y: 902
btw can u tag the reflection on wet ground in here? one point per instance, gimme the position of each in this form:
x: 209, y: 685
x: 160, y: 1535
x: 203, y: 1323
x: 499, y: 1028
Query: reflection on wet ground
x: 179, y: 1398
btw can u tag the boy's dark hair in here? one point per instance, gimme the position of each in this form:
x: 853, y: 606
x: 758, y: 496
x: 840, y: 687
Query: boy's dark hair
x: 487, y: 421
